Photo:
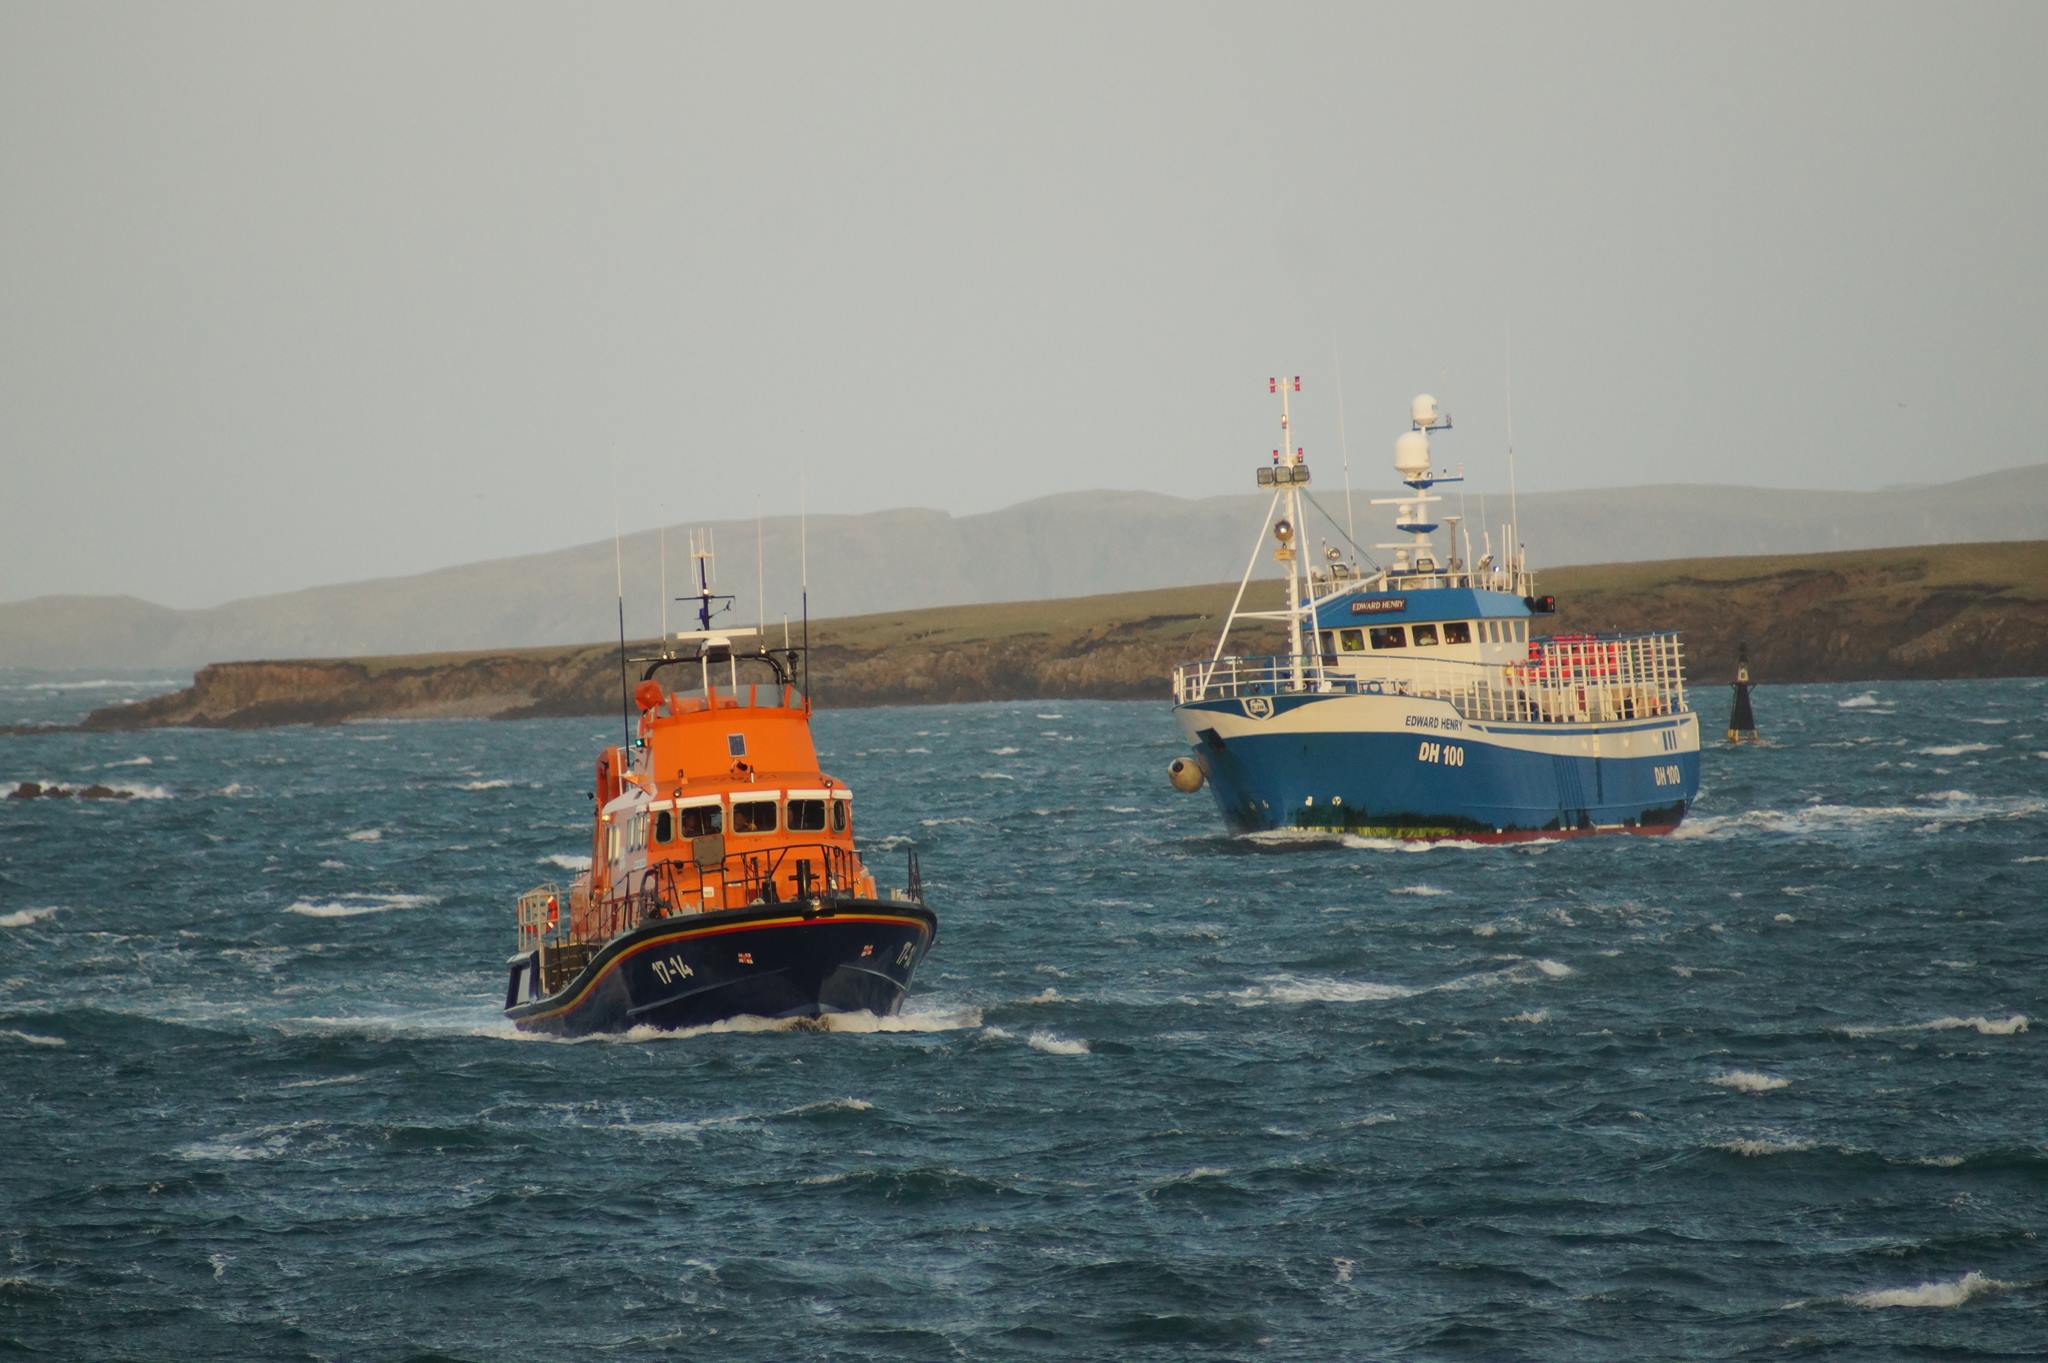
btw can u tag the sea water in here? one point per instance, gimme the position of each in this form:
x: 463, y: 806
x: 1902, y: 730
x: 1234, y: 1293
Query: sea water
x: 1773, y: 1086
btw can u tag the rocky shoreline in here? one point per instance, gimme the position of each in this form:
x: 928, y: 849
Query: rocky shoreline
x: 1946, y: 611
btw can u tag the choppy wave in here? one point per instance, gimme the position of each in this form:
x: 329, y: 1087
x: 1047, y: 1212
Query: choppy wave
x: 356, y: 905
x: 484, y: 785
x: 1421, y: 891
x: 29, y: 1038
x: 131, y: 762
x: 1933, y: 1294
x: 1749, y: 1081
x: 1953, y: 749
x: 1296, y: 989
x: 101, y: 684
x: 1051, y: 1044
x: 367, y: 835
x: 567, y: 861
x: 1983, y: 1026
x: 23, y: 917
x: 1867, y: 701
x: 1762, y: 1148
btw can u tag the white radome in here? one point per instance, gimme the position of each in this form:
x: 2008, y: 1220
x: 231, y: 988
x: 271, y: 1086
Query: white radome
x: 1411, y: 453
x: 1423, y: 411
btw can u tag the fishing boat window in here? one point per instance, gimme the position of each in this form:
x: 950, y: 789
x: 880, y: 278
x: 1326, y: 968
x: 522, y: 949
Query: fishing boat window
x: 1390, y: 636
x: 1425, y: 636
x: 1521, y: 631
x: 839, y: 810
x: 753, y: 816
x: 806, y: 816
x: 696, y: 821
x: 1354, y: 640
x: 1457, y: 632
x: 664, y: 827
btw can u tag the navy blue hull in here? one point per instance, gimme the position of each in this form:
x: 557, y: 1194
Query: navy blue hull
x: 770, y: 961
x: 1468, y: 783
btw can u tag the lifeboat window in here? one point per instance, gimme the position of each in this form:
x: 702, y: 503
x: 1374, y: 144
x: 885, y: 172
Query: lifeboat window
x: 1457, y: 632
x: 839, y: 815
x: 1354, y: 640
x: 736, y: 744
x: 664, y: 827
x: 1390, y: 636
x: 696, y: 821
x: 753, y: 816
x: 806, y: 816
x: 1425, y: 636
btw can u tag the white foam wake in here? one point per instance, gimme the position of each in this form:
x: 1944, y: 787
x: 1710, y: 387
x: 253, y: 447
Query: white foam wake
x: 567, y: 861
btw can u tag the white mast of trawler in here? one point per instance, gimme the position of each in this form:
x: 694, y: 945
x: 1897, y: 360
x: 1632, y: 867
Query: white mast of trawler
x: 1411, y: 462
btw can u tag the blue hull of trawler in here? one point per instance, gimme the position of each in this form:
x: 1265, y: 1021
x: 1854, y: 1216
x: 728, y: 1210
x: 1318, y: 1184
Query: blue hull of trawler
x: 1403, y: 774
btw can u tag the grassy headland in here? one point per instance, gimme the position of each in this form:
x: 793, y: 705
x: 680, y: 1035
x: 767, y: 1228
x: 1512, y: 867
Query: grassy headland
x: 1967, y: 610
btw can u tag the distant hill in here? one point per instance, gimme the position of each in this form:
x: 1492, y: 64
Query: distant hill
x: 1974, y: 610
x: 1071, y: 545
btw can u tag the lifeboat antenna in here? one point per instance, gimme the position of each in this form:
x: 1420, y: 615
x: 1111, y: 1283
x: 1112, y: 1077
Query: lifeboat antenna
x: 664, y: 586
x: 619, y: 575
x: 803, y: 542
x: 701, y: 550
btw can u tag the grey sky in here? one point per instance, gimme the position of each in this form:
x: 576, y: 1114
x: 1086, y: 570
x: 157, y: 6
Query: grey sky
x: 295, y: 294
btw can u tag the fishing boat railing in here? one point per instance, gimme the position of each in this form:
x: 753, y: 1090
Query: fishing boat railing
x: 1564, y: 679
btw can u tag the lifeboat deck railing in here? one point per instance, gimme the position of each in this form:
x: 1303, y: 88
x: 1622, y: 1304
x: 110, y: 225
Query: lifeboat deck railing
x: 1579, y: 678
x: 792, y: 873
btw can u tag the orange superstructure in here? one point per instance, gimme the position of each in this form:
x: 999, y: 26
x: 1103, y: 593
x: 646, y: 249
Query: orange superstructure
x: 719, y: 804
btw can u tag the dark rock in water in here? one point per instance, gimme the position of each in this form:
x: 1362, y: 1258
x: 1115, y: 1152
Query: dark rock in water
x: 100, y: 792
x: 27, y: 790
x: 56, y: 793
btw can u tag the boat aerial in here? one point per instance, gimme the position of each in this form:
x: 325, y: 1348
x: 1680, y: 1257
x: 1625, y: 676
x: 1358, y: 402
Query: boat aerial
x: 723, y: 880
x: 1417, y: 699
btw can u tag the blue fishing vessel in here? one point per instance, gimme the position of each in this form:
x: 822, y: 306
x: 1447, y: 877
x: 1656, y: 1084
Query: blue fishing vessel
x: 1422, y: 698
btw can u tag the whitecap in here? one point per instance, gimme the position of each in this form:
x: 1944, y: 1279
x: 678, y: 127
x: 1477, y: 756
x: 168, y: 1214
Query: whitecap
x: 993, y: 776
x: 1932, y: 1294
x: 132, y: 762
x: 30, y: 1038
x: 336, y: 1081
x: 926, y: 751
x: 367, y: 835
x: 1749, y: 1081
x: 100, y: 684
x: 1004, y: 752
x: 1983, y: 1026
x: 939, y: 823
x: 356, y: 905
x: 1953, y: 749
x: 1055, y: 1045
x: 1421, y: 891
x: 484, y: 785
x: 1540, y: 1015
x: 1762, y: 1149
x: 1863, y: 702
x: 24, y: 917
x: 567, y: 861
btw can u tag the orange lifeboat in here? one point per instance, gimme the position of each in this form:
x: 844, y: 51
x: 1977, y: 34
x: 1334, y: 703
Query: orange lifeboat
x: 724, y: 879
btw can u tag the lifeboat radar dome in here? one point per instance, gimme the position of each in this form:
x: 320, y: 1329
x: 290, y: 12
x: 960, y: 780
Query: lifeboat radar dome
x: 1423, y: 411
x: 1411, y: 453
